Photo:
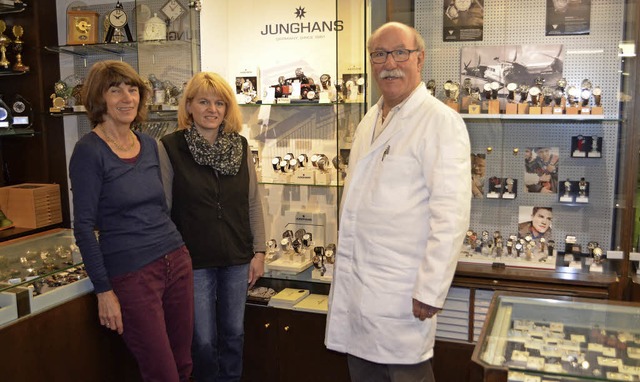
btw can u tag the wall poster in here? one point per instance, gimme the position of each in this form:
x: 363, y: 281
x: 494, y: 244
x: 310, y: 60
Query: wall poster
x: 568, y: 17
x: 463, y: 20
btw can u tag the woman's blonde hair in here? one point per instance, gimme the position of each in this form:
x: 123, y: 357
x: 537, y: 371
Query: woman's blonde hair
x: 210, y: 83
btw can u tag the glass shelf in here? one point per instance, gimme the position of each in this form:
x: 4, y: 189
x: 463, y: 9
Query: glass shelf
x: 6, y: 74
x: 16, y: 132
x: 118, y: 49
x: 301, y: 184
x: 15, y: 8
x: 302, y: 103
x: 540, y: 117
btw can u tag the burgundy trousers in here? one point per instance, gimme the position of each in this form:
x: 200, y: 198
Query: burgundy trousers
x: 157, y: 314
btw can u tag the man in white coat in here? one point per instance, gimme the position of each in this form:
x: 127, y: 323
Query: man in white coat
x: 405, y: 211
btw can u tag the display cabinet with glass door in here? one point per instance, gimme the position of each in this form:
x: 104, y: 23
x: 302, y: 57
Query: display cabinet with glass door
x: 159, y: 38
x: 546, y: 106
x: 302, y: 85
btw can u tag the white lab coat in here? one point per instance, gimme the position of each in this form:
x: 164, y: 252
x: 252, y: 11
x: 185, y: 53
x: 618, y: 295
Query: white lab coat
x: 403, y: 219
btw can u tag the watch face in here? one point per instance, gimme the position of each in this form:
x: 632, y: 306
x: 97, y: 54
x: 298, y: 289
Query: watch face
x: 562, y: 83
x: 463, y: 5
x: 512, y: 86
x: 487, y: 87
x: 597, y: 91
x: 573, y: 91
x: 495, y: 85
x: 585, y: 94
x: 117, y: 18
x: 173, y: 9
x: 3, y: 114
x: 19, y: 107
x: 534, y: 91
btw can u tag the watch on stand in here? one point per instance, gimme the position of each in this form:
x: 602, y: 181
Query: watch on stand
x: 117, y: 20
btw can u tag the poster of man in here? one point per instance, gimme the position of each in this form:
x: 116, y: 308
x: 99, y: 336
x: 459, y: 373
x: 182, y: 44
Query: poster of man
x: 478, y: 173
x: 541, y: 169
x: 535, y: 222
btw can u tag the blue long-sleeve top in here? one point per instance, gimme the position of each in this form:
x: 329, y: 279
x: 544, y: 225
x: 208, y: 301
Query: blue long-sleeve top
x: 125, y: 202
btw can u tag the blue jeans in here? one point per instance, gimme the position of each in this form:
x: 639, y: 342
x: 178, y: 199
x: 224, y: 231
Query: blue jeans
x: 218, y: 338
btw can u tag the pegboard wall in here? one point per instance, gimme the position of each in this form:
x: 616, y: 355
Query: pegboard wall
x: 593, y: 56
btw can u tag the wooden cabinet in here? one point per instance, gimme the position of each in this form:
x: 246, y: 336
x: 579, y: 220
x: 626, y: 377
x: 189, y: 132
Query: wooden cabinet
x: 65, y: 343
x: 286, y: 345
x: 36, y: 154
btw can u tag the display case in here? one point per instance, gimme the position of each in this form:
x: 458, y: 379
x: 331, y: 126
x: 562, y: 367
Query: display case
x: 549, y: 157
x: 38, y: 272
x: 302, y: 89
x: 155, y: 34
x: 527, y: 338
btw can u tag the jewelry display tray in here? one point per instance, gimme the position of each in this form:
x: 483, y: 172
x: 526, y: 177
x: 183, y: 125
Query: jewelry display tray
x: 533, y: 339
x: 27, y: 267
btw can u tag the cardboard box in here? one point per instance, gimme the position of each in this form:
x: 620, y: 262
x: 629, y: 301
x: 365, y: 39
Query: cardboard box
x: 32, y: 205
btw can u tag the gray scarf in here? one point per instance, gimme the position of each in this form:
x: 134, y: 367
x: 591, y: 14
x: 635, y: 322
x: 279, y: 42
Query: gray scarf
x: 225, y: 155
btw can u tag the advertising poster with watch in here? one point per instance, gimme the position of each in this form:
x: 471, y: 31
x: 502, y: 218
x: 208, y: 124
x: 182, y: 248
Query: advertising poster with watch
x: 463, y: 20
x: 568, y: 17
x: 519, y: 64
x: 541, y: 165
x: 247, y: 86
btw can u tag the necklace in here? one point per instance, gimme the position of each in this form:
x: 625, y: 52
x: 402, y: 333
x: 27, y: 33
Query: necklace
x: 116, y: 144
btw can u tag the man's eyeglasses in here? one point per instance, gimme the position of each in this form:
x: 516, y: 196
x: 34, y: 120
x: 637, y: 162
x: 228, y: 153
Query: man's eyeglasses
x: 399, y: 55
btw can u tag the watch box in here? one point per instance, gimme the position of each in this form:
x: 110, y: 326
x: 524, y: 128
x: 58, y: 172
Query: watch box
x: 82, y: 27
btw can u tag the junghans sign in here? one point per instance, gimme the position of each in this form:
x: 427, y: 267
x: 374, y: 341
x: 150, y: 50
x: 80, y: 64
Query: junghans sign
x: 301, y: 26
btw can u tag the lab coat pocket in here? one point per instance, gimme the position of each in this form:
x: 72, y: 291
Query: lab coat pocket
x: 392, y: 305
x: 392, y: 178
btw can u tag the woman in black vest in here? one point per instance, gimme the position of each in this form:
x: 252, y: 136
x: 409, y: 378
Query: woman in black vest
x: 211, y: 188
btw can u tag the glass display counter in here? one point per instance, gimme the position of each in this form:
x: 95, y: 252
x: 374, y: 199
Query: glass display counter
x: 38, y: 272
x: 547, y: 339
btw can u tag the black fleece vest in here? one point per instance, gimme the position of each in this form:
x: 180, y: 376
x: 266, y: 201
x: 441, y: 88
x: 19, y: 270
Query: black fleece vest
x: 210, y: 210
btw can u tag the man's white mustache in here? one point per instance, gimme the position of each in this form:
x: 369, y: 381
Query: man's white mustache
x: 391, y: 73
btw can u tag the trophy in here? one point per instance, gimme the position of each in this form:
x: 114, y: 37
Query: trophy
x: 18, y: 31
x: 4, y: 43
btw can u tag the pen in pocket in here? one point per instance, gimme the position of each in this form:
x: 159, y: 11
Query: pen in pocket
x: 386, y: 152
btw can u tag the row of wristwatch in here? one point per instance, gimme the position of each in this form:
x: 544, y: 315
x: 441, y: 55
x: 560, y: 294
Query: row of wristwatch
x: 559, y: 95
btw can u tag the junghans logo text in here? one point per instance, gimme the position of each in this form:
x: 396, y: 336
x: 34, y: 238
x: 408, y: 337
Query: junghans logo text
x: 302, y: 27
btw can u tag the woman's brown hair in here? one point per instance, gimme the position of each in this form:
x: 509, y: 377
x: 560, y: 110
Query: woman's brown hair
x: 102, y: 76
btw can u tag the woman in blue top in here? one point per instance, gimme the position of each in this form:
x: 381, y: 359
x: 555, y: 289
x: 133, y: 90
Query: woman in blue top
x: 138, y: 263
